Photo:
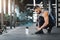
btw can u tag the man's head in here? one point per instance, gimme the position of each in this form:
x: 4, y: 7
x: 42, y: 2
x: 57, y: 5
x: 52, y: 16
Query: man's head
x: 37, y: 9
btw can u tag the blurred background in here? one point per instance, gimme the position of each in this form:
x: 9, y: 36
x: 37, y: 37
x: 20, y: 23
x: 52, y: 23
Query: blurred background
x: 15, y: 13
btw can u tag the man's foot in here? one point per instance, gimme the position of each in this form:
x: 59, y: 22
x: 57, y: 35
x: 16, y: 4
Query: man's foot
x: 49, y: 31
x: 39, y: 32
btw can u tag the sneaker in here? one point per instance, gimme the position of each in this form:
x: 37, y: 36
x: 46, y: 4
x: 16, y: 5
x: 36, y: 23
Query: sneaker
x: 49, y: 31
x: 39, y: 32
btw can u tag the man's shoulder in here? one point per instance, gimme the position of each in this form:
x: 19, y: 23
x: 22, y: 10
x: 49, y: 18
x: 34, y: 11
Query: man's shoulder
x: 45, y: 13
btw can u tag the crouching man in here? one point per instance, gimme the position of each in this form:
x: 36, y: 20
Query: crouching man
x: 42, y: 19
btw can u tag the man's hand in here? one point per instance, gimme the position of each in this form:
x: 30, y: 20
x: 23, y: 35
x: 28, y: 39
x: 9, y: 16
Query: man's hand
x: 39, y: 29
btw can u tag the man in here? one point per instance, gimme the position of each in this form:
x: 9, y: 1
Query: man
x: 42, y: 20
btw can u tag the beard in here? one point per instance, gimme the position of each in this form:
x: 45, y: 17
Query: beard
x: 39, y: 12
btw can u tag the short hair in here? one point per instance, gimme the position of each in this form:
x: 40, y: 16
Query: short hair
x: 35, y: 7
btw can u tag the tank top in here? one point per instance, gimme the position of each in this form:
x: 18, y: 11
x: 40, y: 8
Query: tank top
x: 41, y: 19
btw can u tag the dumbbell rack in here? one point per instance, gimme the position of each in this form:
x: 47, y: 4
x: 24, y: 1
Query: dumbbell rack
x: 58, y: 13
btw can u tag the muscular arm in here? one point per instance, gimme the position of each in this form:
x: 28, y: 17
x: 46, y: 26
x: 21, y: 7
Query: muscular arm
x: 46, y: 19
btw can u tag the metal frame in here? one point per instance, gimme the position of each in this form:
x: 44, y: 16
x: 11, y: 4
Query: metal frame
x: 56, y: 12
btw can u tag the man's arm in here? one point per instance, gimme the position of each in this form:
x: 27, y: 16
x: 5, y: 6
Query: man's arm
x: 46, y: 19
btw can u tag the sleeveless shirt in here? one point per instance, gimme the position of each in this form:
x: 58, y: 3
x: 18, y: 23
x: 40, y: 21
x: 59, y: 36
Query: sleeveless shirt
x: 40, y: 19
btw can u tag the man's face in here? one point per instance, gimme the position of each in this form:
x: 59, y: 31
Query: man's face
x: 37, y: 11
